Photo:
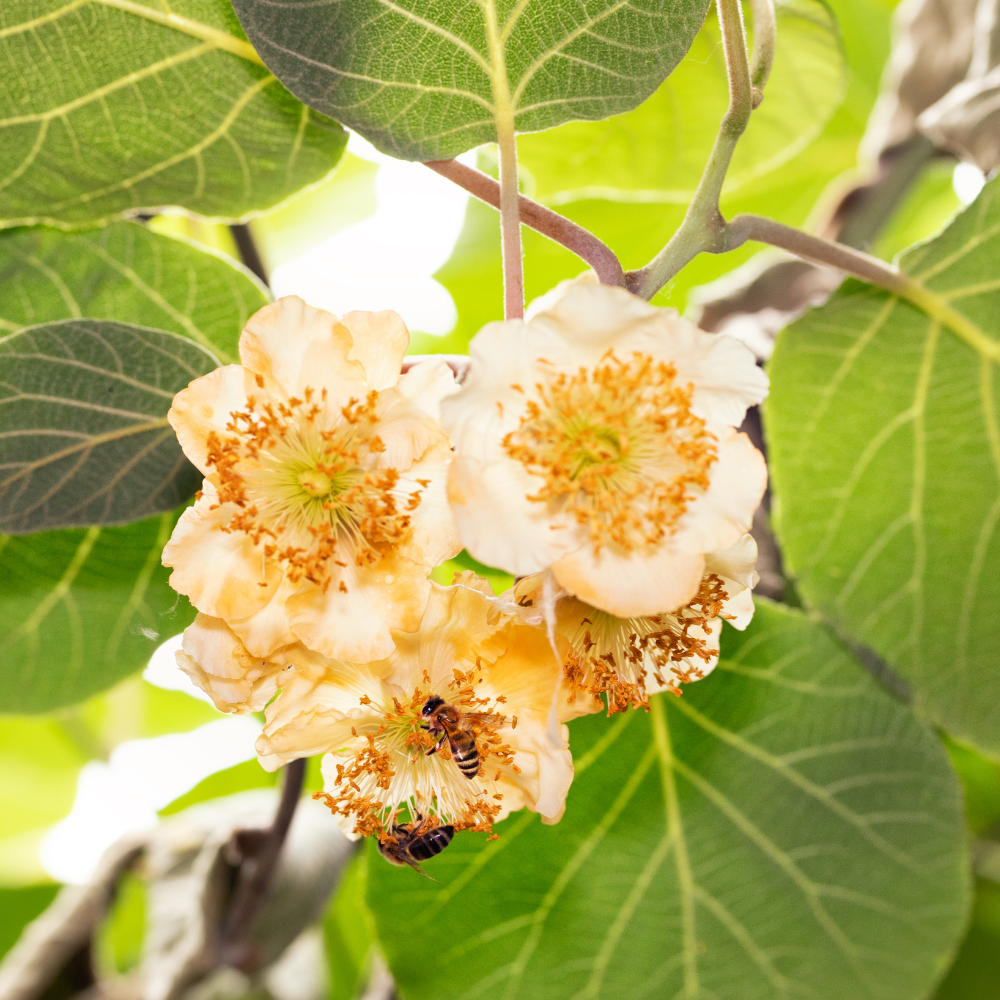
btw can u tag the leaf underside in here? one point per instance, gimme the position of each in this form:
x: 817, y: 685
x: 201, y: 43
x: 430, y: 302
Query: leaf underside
x: 784, y: 829
x: 106, y: 111
x: 419, y: 79
x: 885, y: 456
x: 84, y: 438
x: 125, y: 272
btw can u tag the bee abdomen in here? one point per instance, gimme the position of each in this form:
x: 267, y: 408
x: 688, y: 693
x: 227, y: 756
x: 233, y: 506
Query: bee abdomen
x: 432, y: 843
x: 467, y: 759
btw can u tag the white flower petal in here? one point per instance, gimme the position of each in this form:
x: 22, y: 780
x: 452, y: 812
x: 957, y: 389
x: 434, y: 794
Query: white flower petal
x: 497, y: 522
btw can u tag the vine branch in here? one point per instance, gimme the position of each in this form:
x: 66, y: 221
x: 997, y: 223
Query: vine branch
x: 256, y: 873
x: 765, y: 39
x: 556, y: 227
x: 704, y: 228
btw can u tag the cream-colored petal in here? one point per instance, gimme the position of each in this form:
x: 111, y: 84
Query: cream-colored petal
x: 738, y: 610
x: 410, y: 414
x: 631, y: 586
x: 433, y: 534
x: 293, y: 346
x: 458, y: 627
x: 723, y: 371
x: 205, y: 406
x: 497, y: 522
x: 380, y: 341
x: 735, y: 563
x: 223, y: 573
x: 269, y: 628
x: 595, y: 316
x: 355, y: 626
x: 215, y: 659
x: 722, y: 515
x: 502, y: 376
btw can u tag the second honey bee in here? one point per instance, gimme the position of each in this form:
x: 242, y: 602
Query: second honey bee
x: 456, y: 727
x: 411, y: 843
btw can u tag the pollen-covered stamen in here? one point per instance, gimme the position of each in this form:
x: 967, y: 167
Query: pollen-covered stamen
x: 614, y: 657
x: 618, y: 448
x: 393, y: 776
x: 303, y: 476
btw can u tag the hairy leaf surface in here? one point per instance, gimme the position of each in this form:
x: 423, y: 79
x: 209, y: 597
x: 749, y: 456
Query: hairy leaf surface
x: 428, y: 80
x: 111, y: 106
x: 657, y: 152
x: 127, y: 273
x: 885, y: 451
x: 81, y: 609
x: 784, y: 829
x: 84, y: 437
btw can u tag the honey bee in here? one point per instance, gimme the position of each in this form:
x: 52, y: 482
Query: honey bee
x: 415, y: 842
x: 455, y: 726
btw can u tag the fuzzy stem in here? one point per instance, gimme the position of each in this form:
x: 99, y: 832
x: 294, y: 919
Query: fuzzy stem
x: 704, y: 228
x: 765, y: 37
x: 556, y: 227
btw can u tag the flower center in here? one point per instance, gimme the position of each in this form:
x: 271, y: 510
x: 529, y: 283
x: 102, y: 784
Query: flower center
x: 612, y: 656
x: 402, y: 763
x: 617, y: 447
x: 304, y: 480
x: 315, y: 483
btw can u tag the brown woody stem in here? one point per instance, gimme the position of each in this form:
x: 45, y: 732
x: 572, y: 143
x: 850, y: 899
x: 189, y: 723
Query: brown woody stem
x: 543, y: 220
x: 256, y: 874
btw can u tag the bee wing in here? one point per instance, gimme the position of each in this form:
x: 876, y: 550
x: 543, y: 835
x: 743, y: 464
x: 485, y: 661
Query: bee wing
x: 417, y: 868
x: 483, y: 719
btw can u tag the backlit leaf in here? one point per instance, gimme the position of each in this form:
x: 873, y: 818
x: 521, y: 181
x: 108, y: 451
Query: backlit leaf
x: 81, y: 609
x: 783, y: 829
x: 885, y: 456
x: 85, y: 438
x: 657, y: 152
x: 428, y: 80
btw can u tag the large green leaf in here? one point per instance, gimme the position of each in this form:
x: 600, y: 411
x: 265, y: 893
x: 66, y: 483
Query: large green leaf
x: 428, y: 80
x: 81, y: 609
x: 85, y: 438
x: 658, y: 151
x: 120, y: 105
x: 784, y: 829
x: 125, y: 272
x: 885, y: 452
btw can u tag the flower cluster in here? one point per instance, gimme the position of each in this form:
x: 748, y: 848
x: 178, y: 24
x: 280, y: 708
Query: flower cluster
x: 592, y: 452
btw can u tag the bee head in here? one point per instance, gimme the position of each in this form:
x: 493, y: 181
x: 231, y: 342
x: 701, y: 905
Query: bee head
x: 433, y: 703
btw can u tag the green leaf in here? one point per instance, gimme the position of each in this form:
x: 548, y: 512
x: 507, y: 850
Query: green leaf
x: 85, y: 437
x: 657, y: 152
x: 885, y: 458
x: 112, y: 106
x: 239, y: 778
x: 81, y: 609
x: 348, y: 933
x: 784, y: 829
x: 427, y: 81
x: 18, y: 907
x: 127, y: 273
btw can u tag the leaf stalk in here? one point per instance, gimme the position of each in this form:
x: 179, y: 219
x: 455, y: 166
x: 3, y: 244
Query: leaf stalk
x: 543, y: 220
x: 704, y: 228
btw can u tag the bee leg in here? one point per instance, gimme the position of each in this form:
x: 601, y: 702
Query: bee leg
x: 437, y: 746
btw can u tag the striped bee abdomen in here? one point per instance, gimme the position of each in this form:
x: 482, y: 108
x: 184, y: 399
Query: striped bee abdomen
x: 465, y: 753
x: 431, y: 843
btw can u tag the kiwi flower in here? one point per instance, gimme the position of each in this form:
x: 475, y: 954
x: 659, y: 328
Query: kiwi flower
x: 625, y: 660
x: 378, y: 768
x: 323, y: 507
x: 600, y: 435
